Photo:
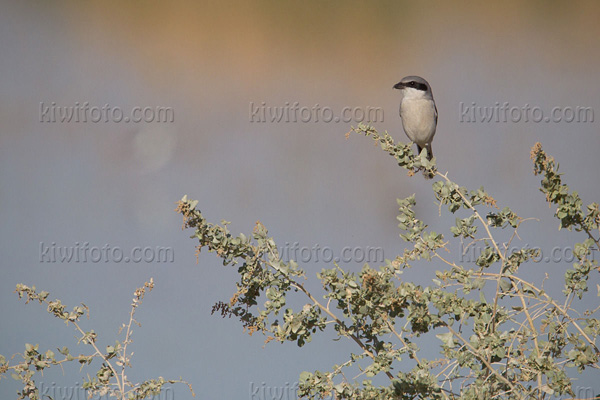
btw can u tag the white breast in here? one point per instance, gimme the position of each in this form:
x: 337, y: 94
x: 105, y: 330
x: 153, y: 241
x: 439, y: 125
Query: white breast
x: 418, y: 119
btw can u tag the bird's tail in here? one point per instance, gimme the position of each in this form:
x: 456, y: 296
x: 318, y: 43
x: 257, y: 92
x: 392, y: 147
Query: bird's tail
x: 429, y: 151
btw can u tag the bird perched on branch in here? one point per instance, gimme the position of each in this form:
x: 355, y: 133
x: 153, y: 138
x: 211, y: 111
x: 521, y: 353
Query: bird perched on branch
x: 418, y: 112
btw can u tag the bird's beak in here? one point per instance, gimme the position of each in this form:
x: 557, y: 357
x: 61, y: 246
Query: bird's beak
x: 398, y: 85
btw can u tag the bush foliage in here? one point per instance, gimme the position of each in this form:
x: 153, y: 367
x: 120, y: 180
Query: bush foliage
x: 500, y: 335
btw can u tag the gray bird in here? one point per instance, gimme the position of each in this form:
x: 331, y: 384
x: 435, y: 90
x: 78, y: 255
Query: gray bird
x: 418, y: 112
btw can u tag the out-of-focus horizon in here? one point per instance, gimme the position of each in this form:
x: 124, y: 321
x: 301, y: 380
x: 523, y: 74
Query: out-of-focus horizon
x: 214, y: 64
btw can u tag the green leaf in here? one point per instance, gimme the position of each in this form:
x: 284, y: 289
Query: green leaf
x: 478, y: 283
x: 447, y: 338
x: 305, y: 376
x: 505, y: 285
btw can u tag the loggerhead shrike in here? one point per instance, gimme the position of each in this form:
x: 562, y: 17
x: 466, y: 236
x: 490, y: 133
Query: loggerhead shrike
x: 418, y: 112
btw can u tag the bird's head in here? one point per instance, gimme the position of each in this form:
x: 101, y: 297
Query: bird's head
x: 414, y: 87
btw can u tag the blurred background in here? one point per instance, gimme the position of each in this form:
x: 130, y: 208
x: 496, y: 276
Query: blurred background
x: 113, y: 184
